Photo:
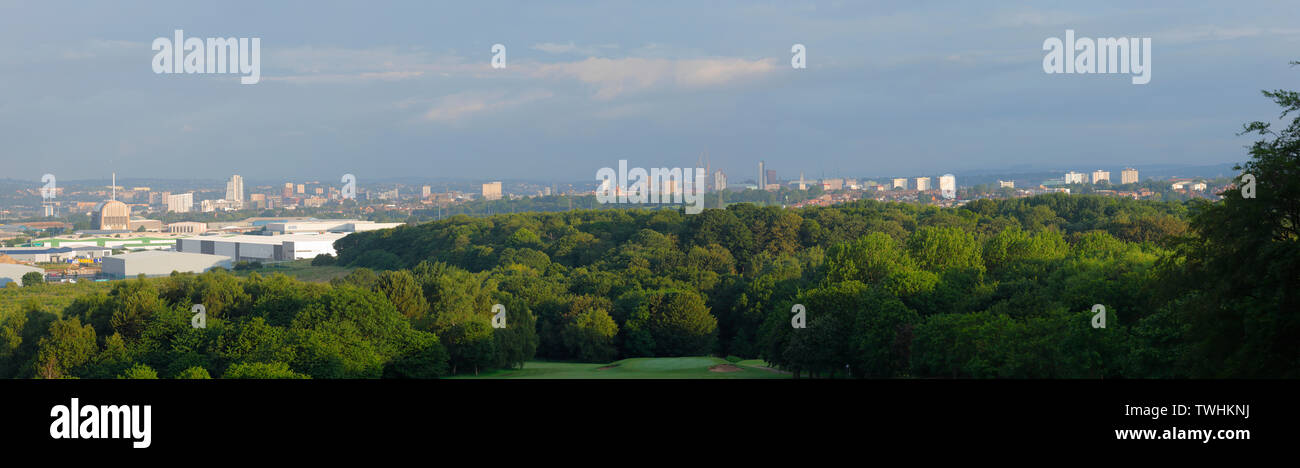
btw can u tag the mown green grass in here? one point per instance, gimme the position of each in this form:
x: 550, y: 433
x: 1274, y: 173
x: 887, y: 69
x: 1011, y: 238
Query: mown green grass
x: 300, y: 270
x: 634, y: 368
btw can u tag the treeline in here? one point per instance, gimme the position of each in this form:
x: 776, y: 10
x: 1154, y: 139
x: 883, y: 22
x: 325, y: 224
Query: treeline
x: 943, y: 292
x: 994, y: 289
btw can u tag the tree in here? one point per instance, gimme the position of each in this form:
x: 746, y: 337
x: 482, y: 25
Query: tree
x: 869, y: 259
x: 680, y: 323
x: 401, y: 289
x: 427, y: 360
x: 938, y: 249
x: 1243, y: 264
x: 33, y: 278
x: 852, y: 329
x: 194, y: 373
x: 470, y: 346
x: 590, y: 337
x: 68, y: 346
x: 517, y: 342
x: 262, y: 370
x: 139, y: 371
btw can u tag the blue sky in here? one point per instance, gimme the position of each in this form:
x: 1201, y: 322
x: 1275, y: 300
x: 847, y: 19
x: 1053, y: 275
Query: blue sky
x: 405, y: 89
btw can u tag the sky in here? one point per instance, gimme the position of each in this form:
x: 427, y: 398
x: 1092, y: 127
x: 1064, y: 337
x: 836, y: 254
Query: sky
x: 406, y: 89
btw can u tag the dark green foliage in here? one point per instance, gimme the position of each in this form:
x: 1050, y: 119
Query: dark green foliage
x: 262, y: 370
x: 33, y: 278
x: 993, y: 289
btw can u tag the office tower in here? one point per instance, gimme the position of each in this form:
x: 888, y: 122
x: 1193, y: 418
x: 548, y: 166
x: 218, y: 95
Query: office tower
x: 1100, y: 175
x: 492, y: 191
x: 180, y: 203
x: 900, y: 183
x: 948, y: 186
x: 771, y: 177
x: 762, y: 176
x: 425, y: 191
x: 235, y: 189
x: 719, y: 180
x: 1128, y: 176
x: 1074, y: 177
x: 288, y: 190
x: 923, y: 183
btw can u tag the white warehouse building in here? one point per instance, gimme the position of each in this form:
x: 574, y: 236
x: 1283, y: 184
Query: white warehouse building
x: 262, y: 248
x: 327, y: 225
x: 11, y: 273
x: 160, y: 263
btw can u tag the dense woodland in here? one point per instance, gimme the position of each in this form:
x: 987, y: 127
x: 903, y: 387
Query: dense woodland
x: 994, y: 289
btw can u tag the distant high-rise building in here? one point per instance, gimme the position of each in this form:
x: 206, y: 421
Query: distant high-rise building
x: 1006, y: 184
x: 425, y: 191
x: 948, y: 186
x: 492, y: 191
x: 762, y: 176
x: 923, y: 183
x: 1128, y: 176
x: 770, y: 177
x: 719, y: 180
x: 1074, y: 177
x: 302, y: 189
x: 1100, y: 175
x: 180, y: 203
x: 803, y: 185
x: 235, y: 189
x: 900, y: 183
x: 288, y: 190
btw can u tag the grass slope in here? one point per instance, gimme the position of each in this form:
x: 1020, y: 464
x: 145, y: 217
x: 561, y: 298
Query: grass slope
x: 634, y: 368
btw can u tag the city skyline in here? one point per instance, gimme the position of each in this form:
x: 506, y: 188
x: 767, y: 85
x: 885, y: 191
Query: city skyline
x: 419, y: 96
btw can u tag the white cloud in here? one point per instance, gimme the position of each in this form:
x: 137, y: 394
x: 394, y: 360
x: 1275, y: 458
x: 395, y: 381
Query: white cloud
x: 455, y: 107
x: 339, y: 78
x: 613, y: 77
x: 1221, y: 33
x: 572, y: 48
x: 314, y: 65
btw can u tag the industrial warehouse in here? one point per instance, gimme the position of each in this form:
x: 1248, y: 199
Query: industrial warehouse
x: 54, y: 254
x: 193, y: 247
x: 249, y: 248
x: 13, y: 273
x: 156, y: 263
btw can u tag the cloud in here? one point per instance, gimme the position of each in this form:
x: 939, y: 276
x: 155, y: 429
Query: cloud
x: 1220, y: 33
x: 571, y: 48
x: 455, y: 107
x: 613, y: 77
x: 332, y: 65
x: 340, y: 78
